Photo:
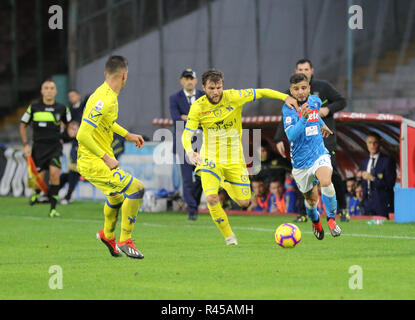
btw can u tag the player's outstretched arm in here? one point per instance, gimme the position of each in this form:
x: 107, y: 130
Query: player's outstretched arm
x: 273, y: 94
x: 136, y: 138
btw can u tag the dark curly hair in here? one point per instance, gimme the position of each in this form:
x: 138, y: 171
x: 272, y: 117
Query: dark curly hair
x: 213, y: 75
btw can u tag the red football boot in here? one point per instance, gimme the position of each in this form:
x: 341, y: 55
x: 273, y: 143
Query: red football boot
x: 110, y: 243
x: 334, y: 228
x: 318, y: 230
x: 129, y: 249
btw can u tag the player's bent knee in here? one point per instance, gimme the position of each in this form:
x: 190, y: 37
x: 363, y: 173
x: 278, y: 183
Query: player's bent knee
x: 115, y: 199
x: 325, y: 182
x: 311, y: 202
x: 244, y: 203
x: 136, y: 190
x: 212, y: 199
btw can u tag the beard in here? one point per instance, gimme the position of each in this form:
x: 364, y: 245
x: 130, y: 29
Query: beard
x: 212, y: 102
x: 300, y: 103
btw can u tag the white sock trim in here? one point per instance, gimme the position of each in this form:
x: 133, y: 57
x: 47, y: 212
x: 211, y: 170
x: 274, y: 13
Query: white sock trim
x: 328, y: 191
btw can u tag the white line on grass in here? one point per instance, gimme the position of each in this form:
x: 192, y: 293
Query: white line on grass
x: 271, y: 230
x: 213, y: 227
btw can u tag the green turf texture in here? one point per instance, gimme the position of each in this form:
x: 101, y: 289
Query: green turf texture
x: 189, y: 260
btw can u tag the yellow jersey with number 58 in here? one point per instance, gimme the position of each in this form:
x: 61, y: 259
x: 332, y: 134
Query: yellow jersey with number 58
x: 221, y: 124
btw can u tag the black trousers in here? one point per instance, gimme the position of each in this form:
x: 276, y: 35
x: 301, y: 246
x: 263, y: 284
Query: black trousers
x: 192, y: 188
x: 72, y: 178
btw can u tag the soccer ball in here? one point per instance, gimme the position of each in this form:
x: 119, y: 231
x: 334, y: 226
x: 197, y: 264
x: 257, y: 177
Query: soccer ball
x: 288, y: 235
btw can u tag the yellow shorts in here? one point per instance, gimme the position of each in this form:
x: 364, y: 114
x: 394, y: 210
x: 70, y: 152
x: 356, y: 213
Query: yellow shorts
x: 233, y: 176
x: 110, y: 182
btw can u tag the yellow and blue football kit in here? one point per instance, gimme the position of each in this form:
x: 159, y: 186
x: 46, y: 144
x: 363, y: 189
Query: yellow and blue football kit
x: 97, y: 127
x: 95, y: 136
x: 221, y: 152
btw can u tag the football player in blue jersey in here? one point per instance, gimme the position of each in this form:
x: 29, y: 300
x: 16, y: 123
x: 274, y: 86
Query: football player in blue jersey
x: 310, y: 159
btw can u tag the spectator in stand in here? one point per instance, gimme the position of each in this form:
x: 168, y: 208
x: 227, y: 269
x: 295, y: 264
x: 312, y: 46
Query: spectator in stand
x: 355, y: 204
x: 277, y: 191
x: 378, y: 172
x: 291, y: 194
x: 261, y: 196
x: 118, y: 145
x: 273, y: 166
x: 77, y: 105
x: 332, y: 102
x: 72, y: 177
x: 350, y: 193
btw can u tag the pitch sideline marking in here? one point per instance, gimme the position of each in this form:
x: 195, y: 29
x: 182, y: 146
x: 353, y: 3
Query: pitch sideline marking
x: 306, y: 232
x: 213, y: 227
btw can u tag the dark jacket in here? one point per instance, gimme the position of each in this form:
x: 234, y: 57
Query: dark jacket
x: 76, y: 113
x: 331, y: 99
x: 179, y: 106
x: 381, y: 197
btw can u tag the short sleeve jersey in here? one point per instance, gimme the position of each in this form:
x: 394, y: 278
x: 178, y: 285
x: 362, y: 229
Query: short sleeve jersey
x: 46, y: 121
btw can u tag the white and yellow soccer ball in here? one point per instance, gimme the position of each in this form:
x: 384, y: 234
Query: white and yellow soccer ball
x: 288, y: 235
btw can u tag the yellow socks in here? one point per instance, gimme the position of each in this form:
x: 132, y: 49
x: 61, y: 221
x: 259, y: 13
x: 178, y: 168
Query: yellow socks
x: 220, y: 218
x: 111, y: 209
x: 129, y: 209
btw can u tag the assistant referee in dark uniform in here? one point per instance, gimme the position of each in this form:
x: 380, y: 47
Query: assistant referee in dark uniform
x: 46, y: 117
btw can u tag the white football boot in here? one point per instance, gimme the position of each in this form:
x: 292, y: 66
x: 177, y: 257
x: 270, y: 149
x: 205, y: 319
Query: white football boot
x: 231, y: 240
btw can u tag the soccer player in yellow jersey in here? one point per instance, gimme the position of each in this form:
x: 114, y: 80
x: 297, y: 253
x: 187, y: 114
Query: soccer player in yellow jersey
x: 97, y: 164
x: 221, y: 161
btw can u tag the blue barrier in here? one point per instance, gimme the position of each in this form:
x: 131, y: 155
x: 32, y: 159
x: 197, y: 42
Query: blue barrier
x: 404, y: 204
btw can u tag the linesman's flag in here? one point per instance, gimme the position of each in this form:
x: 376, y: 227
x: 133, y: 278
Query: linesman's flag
x: 35, y: 181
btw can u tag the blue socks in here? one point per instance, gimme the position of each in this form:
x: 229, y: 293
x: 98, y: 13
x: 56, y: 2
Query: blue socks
x: 311, y: 211
x: 328, y: 196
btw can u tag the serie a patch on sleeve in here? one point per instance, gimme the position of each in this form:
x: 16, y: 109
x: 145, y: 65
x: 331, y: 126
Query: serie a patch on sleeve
x: 99, y: 105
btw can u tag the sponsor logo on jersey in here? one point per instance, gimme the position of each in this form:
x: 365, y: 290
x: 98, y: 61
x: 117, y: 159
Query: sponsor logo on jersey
x: 217, y: 112
x: 311, y: 131
x: 94, y: 115
x: 204, y: 114
x: 99, y: 105
x: 313, y: 116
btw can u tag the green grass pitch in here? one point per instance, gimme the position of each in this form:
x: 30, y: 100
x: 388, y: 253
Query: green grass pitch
x: 188, y: 260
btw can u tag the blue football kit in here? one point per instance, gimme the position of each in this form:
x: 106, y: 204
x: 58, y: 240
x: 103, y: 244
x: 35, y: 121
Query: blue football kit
x: 307, y: 146
x: 304, y: 136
